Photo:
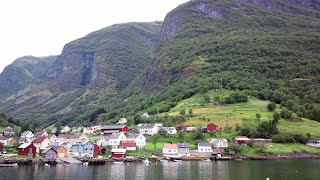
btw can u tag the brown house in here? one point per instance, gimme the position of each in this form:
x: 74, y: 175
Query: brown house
x: 61, y: 151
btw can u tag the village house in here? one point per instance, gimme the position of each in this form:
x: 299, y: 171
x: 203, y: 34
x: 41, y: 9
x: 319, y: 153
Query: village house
x: 183, y: 148
x: 60, y: 150
x: 65, y: 129
x: 49, y: 153
x: 170, y: 130
x: 11, y: 141
x: 53, y: 138
x: 149, y: 128
x: 27, y: 149
x: 59, y: 141
x: 261, y: 140
x: 210, y: 128
x: 218, y: 142
x: 315, y: 143
x: 111, y: 129
x: 83, y: 149
x: 40, y: 133
x: 3, y: 140
x: 114, y: 139
x: 25, y: 140
x: 67, y: 137
x: 9, y: 134
x: 218, y: 152
x: 103, y: 141
x: 190, y: 129
x: 27, y: 134
x: 77, y: 129
x: 204, y: 147
x: 118, y: 152
x: 88, y: 130
x: 181, y: 127
x: 1, y: 147
x: 139, y: 139
x: 145, y: 115
x: 96, y: 150
x: 41, y: 143
x: 129, y: 145
x: 241, y: 140
x: 53, y: 131
x: 170, y: 150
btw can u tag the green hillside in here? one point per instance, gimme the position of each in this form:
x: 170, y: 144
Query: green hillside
x: 268, y: 53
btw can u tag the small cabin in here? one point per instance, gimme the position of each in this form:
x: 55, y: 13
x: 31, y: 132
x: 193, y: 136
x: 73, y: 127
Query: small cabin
x: 27, y: 149
x: 49, y: 153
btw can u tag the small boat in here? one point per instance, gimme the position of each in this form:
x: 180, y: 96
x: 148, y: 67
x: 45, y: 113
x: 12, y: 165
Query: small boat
x: 118, y: 162
x: 205, y: 159
x: 146, y: 161
x: 48, y: 165
x: 86, y: 163
x: 164, y: 161
x: 177, y: 160
x: 9, y: 165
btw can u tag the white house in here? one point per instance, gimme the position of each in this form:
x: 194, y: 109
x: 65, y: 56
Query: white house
x: 149, y: 129
x: 114, y: 139
x: 218, y: 142
x: 65, y: 129
x: 204, y: 147
x: 315, y: 143
x: 170, y: 150
x: 41, y: 143
x: 3, y: 140
x: 103, y: 141
x: 170, y: 130
x: 27, y: 134
x: 190, y: 129
x: 145, y: 115
x: 139, y: 139
x: 53, y: 138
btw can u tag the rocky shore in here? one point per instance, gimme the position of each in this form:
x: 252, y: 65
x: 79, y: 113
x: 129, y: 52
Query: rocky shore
x: 282, y: 157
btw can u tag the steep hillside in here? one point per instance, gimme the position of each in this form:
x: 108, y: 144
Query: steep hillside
x: 268, y: 49
x: 89, y: 71
x: 23, y: 72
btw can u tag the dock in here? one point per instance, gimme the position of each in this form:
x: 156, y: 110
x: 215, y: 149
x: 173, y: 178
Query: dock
x: 69, y: 160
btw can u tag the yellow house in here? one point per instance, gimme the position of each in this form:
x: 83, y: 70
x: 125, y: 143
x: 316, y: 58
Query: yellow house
x: 61, y: 151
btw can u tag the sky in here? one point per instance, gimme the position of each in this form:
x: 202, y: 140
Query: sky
x: 43, y: 27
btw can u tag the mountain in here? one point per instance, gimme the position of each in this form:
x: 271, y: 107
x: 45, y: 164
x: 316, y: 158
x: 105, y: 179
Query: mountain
x: 89, y: 71
x: 23, y: 72
x: 267, y: 49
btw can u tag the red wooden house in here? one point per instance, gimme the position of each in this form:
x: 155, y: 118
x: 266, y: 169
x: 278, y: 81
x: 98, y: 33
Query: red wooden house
x: 128, y: 144
x: 241, y: 140
x: 118, y: 152
x: 1, y: 147
x: 96, y: 150
x: 181, y: 127
x: 111, y: 129
x: 28, y: 150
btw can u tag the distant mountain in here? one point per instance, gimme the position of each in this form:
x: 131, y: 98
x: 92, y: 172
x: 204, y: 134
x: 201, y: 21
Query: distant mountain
x: 23, y: 72
x: 89, y: 70
x: 268, y: 49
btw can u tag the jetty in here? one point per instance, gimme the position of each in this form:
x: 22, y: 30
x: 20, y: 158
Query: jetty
x: 69, y: 160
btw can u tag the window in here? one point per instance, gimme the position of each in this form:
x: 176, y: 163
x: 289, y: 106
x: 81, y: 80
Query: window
x: 169, y: 150
x: 86, y: 149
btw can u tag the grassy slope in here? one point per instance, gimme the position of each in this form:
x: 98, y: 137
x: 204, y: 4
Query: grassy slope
x: 243, y: 114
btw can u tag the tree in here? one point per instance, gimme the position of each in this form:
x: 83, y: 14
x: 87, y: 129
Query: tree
x: 286, y: 114
x: 276, y: 117
x: 258, y: 116
x: 181, y: 135
x: 237, y: 127
x: 271, y: 106
x: 308, y: 136
x: 190, y: 112
x: 155, y: 138
x: 206, y: 98
x: 182, y: 111
x: 162, y: 131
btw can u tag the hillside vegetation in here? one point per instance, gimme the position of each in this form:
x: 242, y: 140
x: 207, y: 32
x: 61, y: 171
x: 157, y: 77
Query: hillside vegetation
x: 268, y: 53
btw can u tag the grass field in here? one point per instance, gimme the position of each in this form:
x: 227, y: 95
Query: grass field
x: 243, y: 114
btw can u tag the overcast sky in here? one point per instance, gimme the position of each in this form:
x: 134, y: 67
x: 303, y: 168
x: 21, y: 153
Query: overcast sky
x: 43, y: 27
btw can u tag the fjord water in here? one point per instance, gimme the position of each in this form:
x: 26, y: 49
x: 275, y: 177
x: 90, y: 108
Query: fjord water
x: 237, y: 170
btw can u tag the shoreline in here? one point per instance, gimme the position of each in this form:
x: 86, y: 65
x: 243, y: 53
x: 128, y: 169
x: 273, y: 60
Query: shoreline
x: 103, y: 161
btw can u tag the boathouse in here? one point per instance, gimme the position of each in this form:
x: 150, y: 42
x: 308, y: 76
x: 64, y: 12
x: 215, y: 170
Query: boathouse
x: 28, y: 150
x: 118, y: 152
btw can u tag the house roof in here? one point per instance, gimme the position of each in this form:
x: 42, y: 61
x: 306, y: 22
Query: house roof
x: 242, y: 138
x: 183, y: 145
x: 132, y: 136
x: 24, y: 145
x: 113, y: 127
x: 56, y: 147
x: 170, y: 146
x: 205, y: 144
x: 118, y: 150
x: 218, y: 150
x: 66, y: 136
x: 50, y: 135
x: 115, y: 136
x: 25, y: 133
x: 313, y: 140
x: 218, y: 139
x: 48, y: 149
x: 111, y: 131
x: 39, y: 139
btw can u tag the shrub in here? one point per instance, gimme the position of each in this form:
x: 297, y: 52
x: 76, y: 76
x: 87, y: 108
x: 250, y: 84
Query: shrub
x: 286, y: 114
x: 271, y: 106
